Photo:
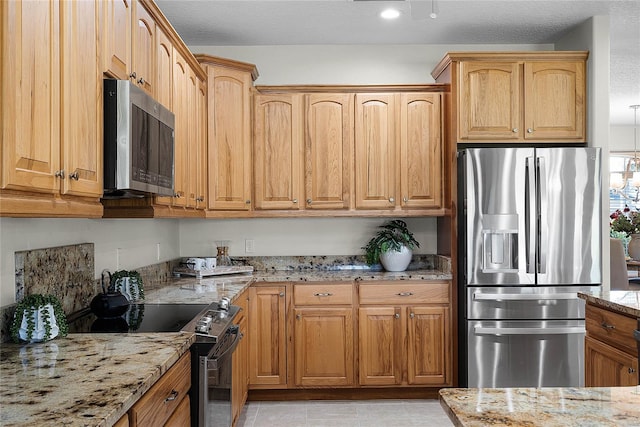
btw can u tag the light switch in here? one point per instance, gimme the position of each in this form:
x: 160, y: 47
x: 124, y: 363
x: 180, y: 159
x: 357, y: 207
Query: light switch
x: 249, y: 246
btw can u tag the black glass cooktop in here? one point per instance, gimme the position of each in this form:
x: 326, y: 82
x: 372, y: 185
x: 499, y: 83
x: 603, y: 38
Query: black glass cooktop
x: 139, y: 318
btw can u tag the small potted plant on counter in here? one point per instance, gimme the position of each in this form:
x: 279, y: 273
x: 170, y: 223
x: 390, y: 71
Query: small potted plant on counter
x: 129, y: 283
x: 393, y: 246
x: 38, y: 318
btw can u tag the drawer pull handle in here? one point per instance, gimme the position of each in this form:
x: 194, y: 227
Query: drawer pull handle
x: 172, y: 396
x: 606, y: 326
x: 405, y: 294
x: 323, y: 294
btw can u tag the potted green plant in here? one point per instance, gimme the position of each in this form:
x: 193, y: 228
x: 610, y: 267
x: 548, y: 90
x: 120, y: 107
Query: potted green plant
x: 38, y: 318
x: 129, y: 283
x: 392, y: 246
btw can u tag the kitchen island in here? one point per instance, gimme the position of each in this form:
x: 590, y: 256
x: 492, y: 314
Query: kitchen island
x: 83, y: 379
x: 544, y: 407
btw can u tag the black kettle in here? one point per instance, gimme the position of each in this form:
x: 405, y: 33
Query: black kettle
x: 109, y: 304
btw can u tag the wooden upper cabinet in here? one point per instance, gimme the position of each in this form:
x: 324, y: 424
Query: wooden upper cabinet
x: 164, y: 69
x: 375, y: 151
x: 277, y: 153
x: 180, y: 108
x: 116, y: 38
x: 489, y: 101
x: 81, y: 100
x: 143, y: 49
x: 328, y: 150
x: 555, y: 100
x: 420, y: 150
x: 30, y: 113
x: 201, y: 193
x: 229, y: 144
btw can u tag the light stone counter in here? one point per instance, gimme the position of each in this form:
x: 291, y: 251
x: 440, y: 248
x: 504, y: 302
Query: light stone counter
x: 625, y: 302
x: 83, y: 379
x: 544, y: 407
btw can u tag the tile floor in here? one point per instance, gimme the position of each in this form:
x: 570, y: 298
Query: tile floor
x: 342, y: 413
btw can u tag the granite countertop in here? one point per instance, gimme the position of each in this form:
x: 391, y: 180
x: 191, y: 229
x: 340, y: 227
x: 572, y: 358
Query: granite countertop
x: 625, y: 302
x: 83, y: 379
x: 544, y: 407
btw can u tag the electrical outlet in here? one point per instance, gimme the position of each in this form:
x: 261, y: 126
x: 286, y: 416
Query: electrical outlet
x: 158, y: 251
x: 249, y: 246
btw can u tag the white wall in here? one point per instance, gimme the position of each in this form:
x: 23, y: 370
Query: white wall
x: 294, y: 236
x: 621, y: 138
x: 119, y: 244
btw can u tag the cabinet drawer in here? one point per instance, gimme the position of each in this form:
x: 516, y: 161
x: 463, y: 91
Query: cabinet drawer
x: 612, y: 328
x: 322, y: 294
x: 404, y: 292
x: 159, y: 403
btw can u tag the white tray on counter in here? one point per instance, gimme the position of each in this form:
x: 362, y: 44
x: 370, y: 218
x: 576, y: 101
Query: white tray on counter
x: 217, y: 271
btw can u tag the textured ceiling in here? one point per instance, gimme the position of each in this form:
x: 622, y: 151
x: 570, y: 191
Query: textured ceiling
x: 300, y: 22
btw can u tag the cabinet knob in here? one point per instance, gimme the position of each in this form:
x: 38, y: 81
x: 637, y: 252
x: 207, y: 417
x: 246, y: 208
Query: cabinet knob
x: 391, y: 200
x: 412, y: 315
x: 200, y: 199
x: 247, y: 202
x: 529, y: 130
x: 141, y: 81
x: 309, y: 201
x: 281, y: 294
x: 405, y: 200
x: 177, y: 195
x: 298, y: 317
x: 60, y: 174
x: 514, y: 130
x: 397, y: 315
x: 295, y: 200
x: 75, y: 176
x: 132, y: 75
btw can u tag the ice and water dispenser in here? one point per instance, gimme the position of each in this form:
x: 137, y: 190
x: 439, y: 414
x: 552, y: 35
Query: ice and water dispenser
x: 499, y: 243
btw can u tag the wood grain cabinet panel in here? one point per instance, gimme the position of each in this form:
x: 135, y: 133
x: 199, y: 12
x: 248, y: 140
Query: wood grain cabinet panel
x: 240, y: 361
x: 328, y: 149
x: 381, y: 349
x: 267, y: 337
x: 164, y: 69
x: 278, y: 145
x: 429, y: 354
x: 116, y: 38
x: 143, y: 53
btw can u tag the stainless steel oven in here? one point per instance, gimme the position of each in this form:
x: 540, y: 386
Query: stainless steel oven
x: 211, y: 364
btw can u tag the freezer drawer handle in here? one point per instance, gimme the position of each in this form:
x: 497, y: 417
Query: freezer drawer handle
x: 479, y: 296
x: 529, y: 331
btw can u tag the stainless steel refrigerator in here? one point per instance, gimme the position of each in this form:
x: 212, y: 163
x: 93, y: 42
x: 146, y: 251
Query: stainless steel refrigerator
x: 529, y: 240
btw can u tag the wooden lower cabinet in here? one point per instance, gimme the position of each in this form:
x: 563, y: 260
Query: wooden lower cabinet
x: 611, y: 355
x: 164, y: 403
x: 323, y: 342
x: 267, y: 336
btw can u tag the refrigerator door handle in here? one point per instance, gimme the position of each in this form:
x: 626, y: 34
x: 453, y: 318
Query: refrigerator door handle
x: 479, y: 330
x: 479, y: 296
x: 541, y: 202
x: 529, y: 207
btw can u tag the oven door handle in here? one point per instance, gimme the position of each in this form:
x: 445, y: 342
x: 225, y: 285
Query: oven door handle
x: 214, y: 363
x: 479, y: 296
x: 479, y: 330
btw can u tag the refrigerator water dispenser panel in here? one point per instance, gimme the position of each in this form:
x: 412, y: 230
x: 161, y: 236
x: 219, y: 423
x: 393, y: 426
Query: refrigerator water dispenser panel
x: 500, y: 244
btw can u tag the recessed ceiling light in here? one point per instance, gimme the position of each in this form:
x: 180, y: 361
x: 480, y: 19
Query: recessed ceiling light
x: 390, y: 14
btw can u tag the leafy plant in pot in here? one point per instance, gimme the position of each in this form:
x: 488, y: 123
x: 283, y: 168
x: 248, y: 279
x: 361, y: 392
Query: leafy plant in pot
x: 129, y: 283
x: 38, y: 318
x: 393, y: 246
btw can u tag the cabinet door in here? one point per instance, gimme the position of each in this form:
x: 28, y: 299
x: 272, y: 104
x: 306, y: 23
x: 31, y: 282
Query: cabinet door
x: 164, y: 69
x: 429, y: 348
x: 181, y: 135
x: 240, y: 362
x: 267, y: 340
x: 554, y: 94
x: 30, y: 107
x: 143, y: 49
x: 606, y: 366
x: 116, y: 38
x: 277, y: 151
x: 229, y: 139
x: 420, y: 150
x: 375, y: 155
x: 202, y: 145
x: 323, y: 339
x: 81, y: 99
x: 193, y: 143
x: 381, y: 352
x: 328, y: 151
x: 489, y: 103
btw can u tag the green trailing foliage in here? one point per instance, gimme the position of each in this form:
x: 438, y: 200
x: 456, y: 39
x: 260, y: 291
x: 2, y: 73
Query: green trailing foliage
x: 392, y: 236
x: 137, y: 292
x: 28, y: 306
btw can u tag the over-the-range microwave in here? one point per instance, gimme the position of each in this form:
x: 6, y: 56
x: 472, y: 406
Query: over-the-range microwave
x: 138, y: 142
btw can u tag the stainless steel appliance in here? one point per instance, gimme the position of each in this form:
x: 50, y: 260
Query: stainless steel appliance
x: 529, y: 240
x: 138, y: 142
x: 211, y: 364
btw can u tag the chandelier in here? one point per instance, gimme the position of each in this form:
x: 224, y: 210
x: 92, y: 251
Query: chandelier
x: 618, y: 181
